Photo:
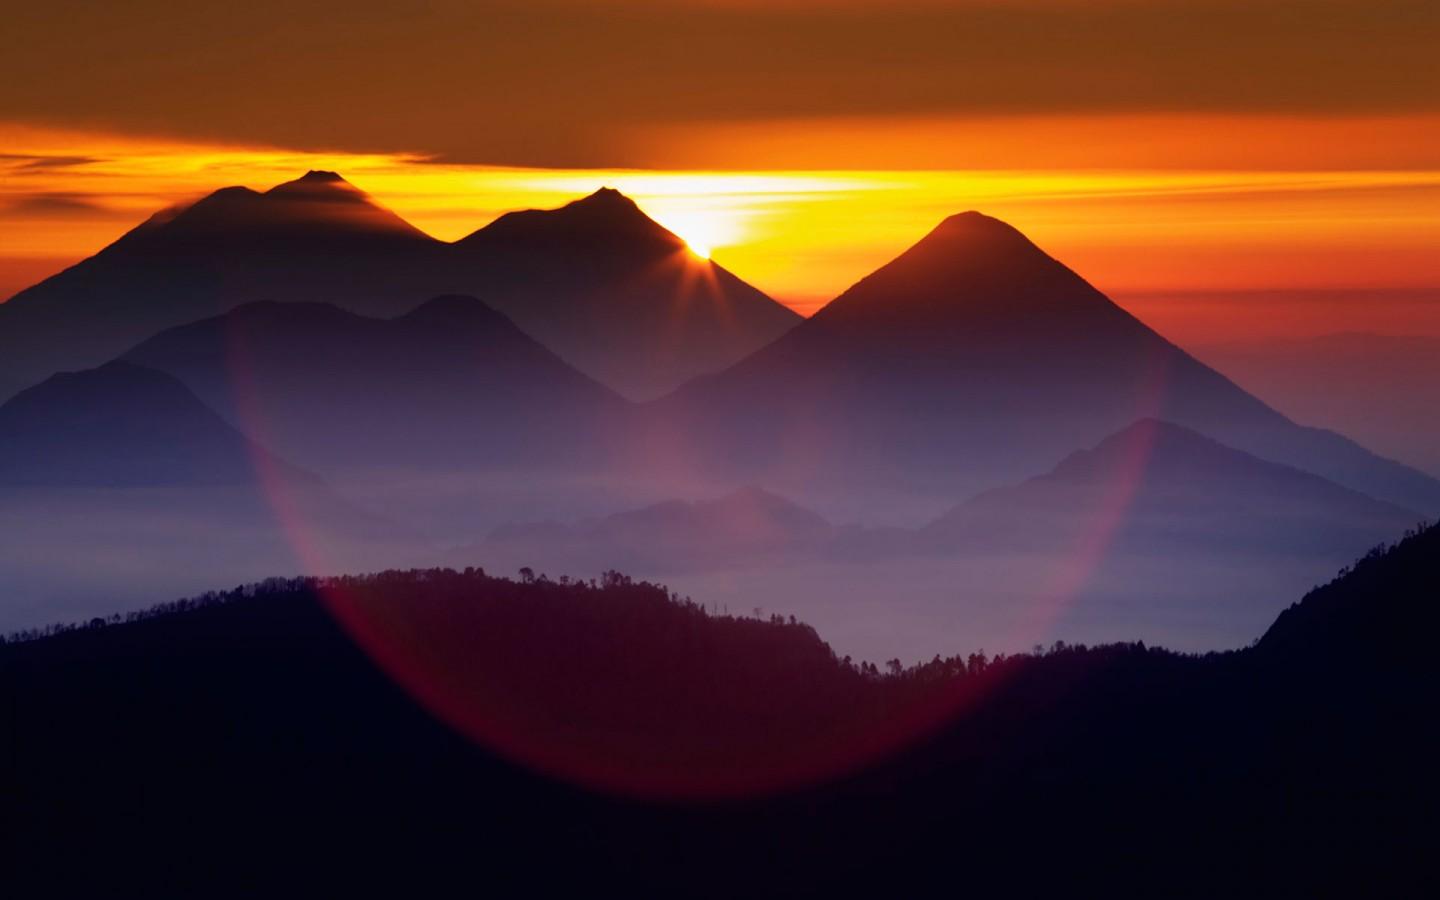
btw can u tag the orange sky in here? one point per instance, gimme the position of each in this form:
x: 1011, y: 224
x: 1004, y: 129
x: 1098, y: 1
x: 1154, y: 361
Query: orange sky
x: 1158, y: 146
x: 802, y: 235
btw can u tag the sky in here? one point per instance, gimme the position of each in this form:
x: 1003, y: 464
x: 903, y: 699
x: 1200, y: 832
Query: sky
x: 1171, y: 152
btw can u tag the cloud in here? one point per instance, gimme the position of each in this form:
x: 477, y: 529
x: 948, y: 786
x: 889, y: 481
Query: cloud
x: 55, y: 204
x: 20, y: 162
x: 565, y: 83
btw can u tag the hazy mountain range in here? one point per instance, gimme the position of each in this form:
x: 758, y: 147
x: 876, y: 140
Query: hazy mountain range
x: 971, y: 360
x: 263, y: 337
x: 123, y: 425
x: 450, y: 383
x: 1157, y: 530
x: 117, y: 483
x: 1161, y: 489
x: 1152, y: 489
x: 559, y: 274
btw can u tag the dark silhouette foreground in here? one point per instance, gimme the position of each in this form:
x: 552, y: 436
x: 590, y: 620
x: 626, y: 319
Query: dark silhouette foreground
x: 244, y: 743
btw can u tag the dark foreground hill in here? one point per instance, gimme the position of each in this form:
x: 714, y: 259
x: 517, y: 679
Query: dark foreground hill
x: 244, y: 744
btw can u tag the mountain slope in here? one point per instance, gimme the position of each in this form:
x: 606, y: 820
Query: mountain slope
x: 1159, y: 488
x: 973, y: 359
x: 117, y: 483
x: 597, y: 281
x: 316, y: 237
x: 616, y: 294
x: 122, y: 425
x: 451, y: 382
x: 1379, y: 389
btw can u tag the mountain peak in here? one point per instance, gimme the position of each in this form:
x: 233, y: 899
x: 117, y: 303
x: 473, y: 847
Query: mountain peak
x: 975, y: 237
x: 317, y: 206
x: 606, y: 195
x: 971, y: 272
x: 605, y: 219
x: 321, y: 176
x: 1152, y: 448
x: 457, y: 312
x: 318, y: 184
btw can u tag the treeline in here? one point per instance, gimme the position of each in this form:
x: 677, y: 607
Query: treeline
x: 268, y: 739
x: 480, y: 585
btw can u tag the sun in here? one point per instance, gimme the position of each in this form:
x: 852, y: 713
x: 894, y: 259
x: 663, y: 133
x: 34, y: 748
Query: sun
x: 700, y: 232
x: 701, y: 227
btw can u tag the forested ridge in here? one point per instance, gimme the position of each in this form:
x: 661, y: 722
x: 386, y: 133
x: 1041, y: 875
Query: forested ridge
x: 243, y: 740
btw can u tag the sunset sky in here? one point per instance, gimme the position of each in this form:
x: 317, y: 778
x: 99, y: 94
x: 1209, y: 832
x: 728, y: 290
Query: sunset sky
x: 1168, y: 151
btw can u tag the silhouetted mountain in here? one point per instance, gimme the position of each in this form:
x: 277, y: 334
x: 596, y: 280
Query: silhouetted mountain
x: 1161, y: 489
x: 314, y: 238
x: 970, y: 360
x: 123, y: 425
x: 745, y: 527
x: 452, y: 382
x: 320, y: 211
x: 1294, y: 766
x: 597, y: 281
x: 610, y: 290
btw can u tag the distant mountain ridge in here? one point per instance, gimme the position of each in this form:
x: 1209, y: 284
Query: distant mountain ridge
x: 598, y: 281
x: 451, y: 382
x: 118, y: 483
x: 1157, y: 487
x: 1154, y: 490
x: 123, y: 425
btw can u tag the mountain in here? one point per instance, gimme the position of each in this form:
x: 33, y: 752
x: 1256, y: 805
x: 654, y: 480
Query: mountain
x: 616, y: 294
x: 316, y: 237
x: 597, y: 281
x: 123, y: 425
x: 124, y: 469
x: 487, y: 725
x: 1378, y: 388
x: 1380, y: 614
x: 451, y: 383
x: 972, y: 360
x: 1157, y: 488
x: 746, y: 527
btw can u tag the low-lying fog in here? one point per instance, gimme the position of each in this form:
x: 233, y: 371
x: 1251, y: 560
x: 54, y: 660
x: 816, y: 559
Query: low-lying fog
x: 144, y: 547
